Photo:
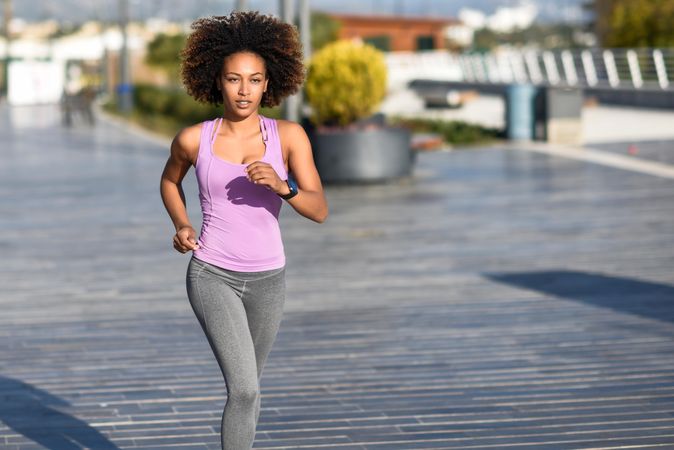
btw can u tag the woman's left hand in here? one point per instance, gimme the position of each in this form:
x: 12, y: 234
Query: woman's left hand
x: 264, y: 174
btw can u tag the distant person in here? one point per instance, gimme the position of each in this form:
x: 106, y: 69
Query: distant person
x: 242, y: 161
x: 71, y: 88
x: 78, y: 96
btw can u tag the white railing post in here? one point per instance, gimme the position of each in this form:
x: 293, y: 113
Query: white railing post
x: 660, y: 68
x: 517, y: 65
x: 467, y: 68
x: 588, y: 68
x: 611, y: 69
x: 478, y: 65
x: 531, y: 60
x: 550, y: 67
x: 569, y: 68
x: 635, y: 71
x: 493, y: 74
x: 505, y: 69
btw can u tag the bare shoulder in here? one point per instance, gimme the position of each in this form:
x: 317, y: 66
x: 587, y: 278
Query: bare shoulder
x: 186, y: 143
x: 290, y: 131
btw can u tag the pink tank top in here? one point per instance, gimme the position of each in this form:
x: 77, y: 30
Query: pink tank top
x: 240, y: 229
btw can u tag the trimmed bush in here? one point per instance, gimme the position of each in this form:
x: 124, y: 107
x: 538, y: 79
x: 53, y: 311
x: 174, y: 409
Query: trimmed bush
x: 171, y: 102
x: 452, y: 132
x: 169, y: 109
x: 346, y: 81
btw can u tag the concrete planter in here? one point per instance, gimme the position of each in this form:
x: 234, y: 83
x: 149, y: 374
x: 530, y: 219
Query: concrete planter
x: 368, y: 155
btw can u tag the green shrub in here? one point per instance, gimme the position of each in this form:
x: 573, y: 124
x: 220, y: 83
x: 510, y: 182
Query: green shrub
x: 324, y: 29
x: 346, y: 81
x: 163, y: 52
x: 452, y: 132
x: 150, y: 99
x: 169, y: 109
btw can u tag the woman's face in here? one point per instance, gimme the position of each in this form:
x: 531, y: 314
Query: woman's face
x: 242, y: 82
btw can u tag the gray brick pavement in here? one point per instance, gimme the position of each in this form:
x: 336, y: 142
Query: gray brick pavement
x: 498, y: 299
x: 658, y: 150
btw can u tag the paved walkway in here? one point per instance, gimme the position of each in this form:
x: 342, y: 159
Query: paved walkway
x: 498, y: 299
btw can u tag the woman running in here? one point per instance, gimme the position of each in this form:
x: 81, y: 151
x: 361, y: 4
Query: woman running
x: 242, y: 161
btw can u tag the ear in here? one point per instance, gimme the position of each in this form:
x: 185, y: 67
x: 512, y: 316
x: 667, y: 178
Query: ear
x: 266, y: 82
x: 218, y: 83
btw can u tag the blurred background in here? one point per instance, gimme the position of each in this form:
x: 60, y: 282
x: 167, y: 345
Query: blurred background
x: 447, y: 59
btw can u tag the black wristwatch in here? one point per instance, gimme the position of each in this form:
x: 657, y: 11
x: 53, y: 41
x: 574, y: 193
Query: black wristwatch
x: 292, y: 185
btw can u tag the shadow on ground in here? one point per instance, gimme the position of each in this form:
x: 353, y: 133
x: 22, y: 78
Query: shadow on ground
x: 31, y: 412
x: 644, y: 298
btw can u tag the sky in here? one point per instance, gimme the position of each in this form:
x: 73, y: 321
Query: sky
x: 80, y: 10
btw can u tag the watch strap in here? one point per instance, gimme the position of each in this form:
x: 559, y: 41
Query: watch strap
x: 292, y: 185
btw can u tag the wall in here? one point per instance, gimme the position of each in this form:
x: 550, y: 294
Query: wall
x: 402, y: 32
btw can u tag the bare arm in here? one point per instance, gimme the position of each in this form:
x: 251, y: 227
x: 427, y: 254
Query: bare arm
x: 310, y: 200
x: 184, y: 149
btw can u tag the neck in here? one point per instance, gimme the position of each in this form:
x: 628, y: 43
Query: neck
x: 240, y: 125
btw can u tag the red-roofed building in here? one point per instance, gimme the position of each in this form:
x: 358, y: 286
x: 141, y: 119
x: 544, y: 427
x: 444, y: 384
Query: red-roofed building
x: 395, y: 33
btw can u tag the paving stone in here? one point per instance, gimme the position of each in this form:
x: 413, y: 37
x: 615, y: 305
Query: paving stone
x: 496, y: 299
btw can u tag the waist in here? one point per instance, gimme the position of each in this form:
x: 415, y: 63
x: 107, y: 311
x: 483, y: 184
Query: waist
x: 239, y: 272
x: 241, y: 247
x: 226, y: 263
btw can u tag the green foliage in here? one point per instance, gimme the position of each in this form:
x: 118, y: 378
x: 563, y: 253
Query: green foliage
x: 634, y: 23
x: 346, y: 81
x: 452, y: 132
x: 324, y: 29
x: 548, y: 36
x: 163, y: 53
x: 150, y: 99
x: 65, y: 29
x: 169, y: 109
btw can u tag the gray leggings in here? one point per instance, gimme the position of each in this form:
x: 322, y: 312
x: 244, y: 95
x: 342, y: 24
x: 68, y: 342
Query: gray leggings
x: 240, y: 312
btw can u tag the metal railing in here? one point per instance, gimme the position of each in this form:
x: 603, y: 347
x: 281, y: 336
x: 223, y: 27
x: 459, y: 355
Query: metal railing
x: 595, y: 68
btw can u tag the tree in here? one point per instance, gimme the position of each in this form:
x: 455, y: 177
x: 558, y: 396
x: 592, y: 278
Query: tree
x: 324, y: 29
x: 634, y: 23
x: 547, y: 36
x: 164, y: 53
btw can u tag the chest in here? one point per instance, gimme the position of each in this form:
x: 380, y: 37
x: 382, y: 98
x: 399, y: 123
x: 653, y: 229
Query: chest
x: 239, y: 151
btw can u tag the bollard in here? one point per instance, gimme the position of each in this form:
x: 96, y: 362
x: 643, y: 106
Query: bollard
x: 520, y: 111
x: 559, y: 115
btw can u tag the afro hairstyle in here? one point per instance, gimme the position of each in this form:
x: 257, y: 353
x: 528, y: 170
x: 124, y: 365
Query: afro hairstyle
x: 215, y: 38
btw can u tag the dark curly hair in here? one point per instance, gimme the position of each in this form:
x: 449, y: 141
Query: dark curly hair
x: 215, y: 38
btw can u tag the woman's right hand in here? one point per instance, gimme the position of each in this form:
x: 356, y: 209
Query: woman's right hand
x: 185, y: 239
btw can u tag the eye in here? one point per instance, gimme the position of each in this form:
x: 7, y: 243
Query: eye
x: 257, y: 80
x: 232, y: 79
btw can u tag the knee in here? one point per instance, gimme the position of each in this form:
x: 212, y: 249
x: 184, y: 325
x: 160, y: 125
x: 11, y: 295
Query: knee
x: 244, y: 395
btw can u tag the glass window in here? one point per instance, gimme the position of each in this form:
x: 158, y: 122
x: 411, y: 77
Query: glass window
x: 383, y: 43
x: 425, y: 43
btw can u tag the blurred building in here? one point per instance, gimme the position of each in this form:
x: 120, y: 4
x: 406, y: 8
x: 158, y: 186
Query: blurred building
x: 43, y: 62
x: 397, y: 33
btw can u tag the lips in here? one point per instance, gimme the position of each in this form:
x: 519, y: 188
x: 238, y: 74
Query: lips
x: 243, y: 103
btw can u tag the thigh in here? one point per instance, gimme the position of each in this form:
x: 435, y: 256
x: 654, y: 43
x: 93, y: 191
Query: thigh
x: 220, y: 312
x: 263, y: 300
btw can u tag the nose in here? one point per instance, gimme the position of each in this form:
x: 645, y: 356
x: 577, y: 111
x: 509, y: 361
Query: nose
x: 243, y: 88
